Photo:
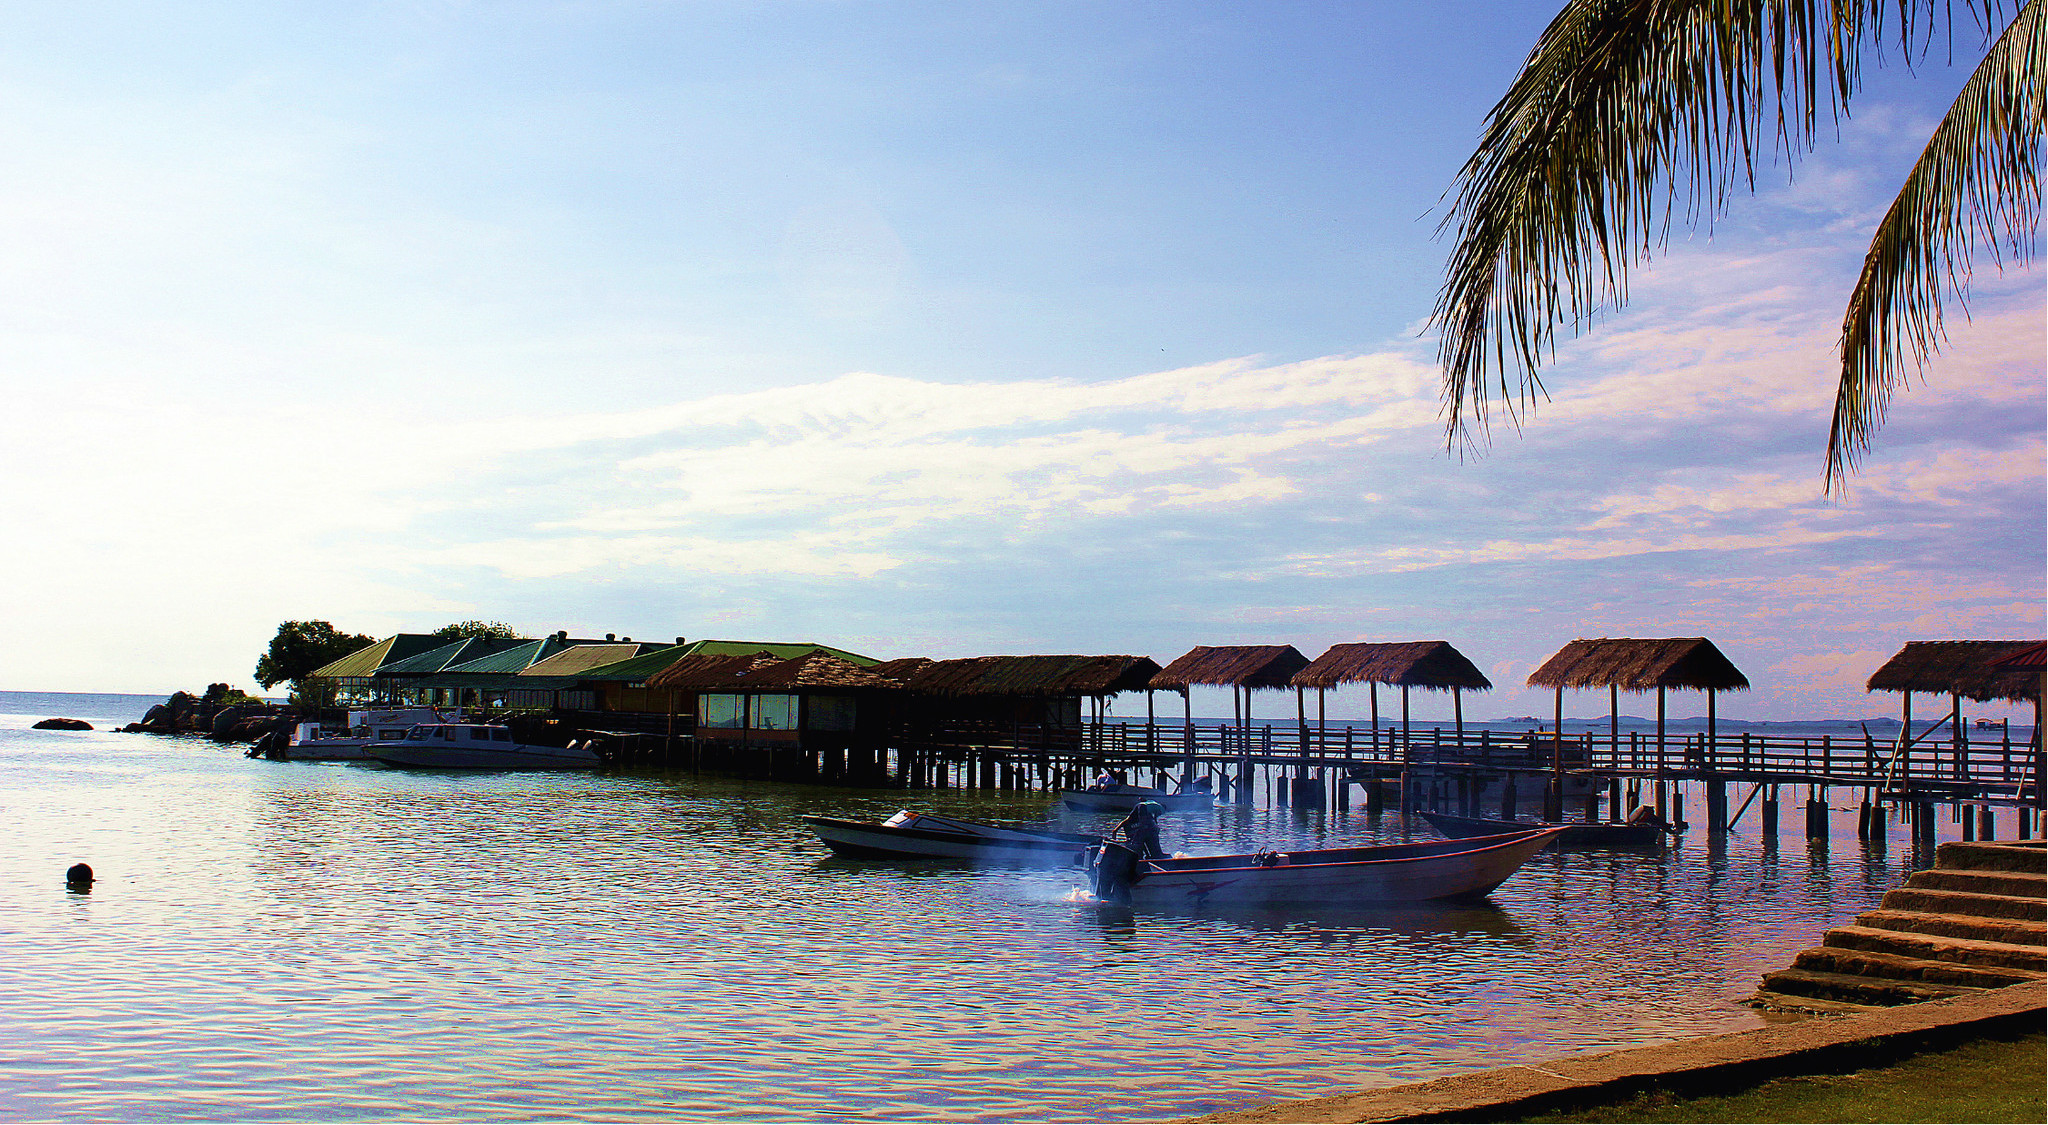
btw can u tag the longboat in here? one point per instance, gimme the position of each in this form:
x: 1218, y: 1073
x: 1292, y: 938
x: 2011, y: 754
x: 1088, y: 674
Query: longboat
x: 1454, y: 870
x: 909, y: 835
x: 1124, y: 798
x: 479, y: 746
x: 1648, y: 834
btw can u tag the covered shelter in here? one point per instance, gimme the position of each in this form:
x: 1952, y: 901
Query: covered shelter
x: 1043, y: 690
x: 1430, y: 665
x: 356, y: 673
x: 1241, y: 668
x: 1978, y: 670
x: 803, y: 702
x: 1639, y: 665
x: 404, y: 680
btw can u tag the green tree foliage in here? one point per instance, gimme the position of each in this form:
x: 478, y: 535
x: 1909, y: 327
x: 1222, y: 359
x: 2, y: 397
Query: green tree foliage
x: 1628, y: 111
x: 480, y: 630
x: 302, y: 646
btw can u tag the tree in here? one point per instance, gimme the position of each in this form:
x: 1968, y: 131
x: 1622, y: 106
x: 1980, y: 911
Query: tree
x: 1625, y: 105
x: 482, y: 630
x: 301, y: 647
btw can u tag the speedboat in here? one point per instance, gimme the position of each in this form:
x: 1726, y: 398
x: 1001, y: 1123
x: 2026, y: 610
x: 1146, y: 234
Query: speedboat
x: 1124, y: 798
x: 479, y: 746
x: 909, y: 835
x: 1648, y: 833
x: 1458, y: 870
x: 311, y: 743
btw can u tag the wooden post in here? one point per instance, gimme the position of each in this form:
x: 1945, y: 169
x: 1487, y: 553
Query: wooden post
x: 1660, y: 727
x: 1375, y: 687
x: 1957, y: 738
x: 1614, y: 720
x: 1458, y: 717
x: 1557, y: 735
x: 1404, y: 725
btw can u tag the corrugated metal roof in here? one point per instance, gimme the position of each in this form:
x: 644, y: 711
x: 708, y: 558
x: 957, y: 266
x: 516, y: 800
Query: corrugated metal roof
x: 365, y: 662
x: 640, y: 667
x: 468, y: 648
x: 582, y: 658
x: 785, y: 650
x: 512, y: 660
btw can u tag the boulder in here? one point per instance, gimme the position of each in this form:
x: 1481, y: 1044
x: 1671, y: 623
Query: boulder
x: 63, y: 724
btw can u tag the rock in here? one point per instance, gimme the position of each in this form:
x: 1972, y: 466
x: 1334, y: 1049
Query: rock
x: 63, y: 724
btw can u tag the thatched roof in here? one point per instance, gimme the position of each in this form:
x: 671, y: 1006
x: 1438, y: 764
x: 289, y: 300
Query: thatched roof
x: 1252, y: 666
x: 813, y: 670
x: 1640, y: 665
x: 1972, y: 669
x: 2033, y: 658
x: 900, y: 669
x: 1032, y: 675
x: 1434, y: 665
x: 707, y: 672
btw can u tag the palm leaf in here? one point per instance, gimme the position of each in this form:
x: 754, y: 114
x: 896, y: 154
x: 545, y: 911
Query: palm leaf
x: 1978, y: 183
x: 1628, y: 114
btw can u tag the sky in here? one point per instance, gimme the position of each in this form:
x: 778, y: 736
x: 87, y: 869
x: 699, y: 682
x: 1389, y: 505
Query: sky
x: 935, y: 330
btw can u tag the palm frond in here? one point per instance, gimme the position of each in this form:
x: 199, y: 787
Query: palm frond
x: 1626, y: 115
x: 1977, y: 184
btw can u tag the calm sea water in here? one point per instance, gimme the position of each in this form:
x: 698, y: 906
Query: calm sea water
x: 318, y: 941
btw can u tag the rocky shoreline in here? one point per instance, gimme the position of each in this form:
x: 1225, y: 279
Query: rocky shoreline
x: 221, y: 714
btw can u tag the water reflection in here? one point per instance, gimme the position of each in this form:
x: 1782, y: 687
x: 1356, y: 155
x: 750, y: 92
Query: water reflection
x: 268, y: 937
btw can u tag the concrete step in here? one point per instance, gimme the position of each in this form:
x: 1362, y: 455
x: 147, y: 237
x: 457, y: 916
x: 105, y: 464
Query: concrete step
x: 1934, y: 947
x: 2007, y: 931
x: 1893, y: 966
x: 1848, y: 988
x: 1929, y: 901
x: 1786, y: 1002
x: 1994, y: 855
x: 2011, y: 884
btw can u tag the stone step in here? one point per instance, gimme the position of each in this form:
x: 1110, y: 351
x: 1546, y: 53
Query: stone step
x: 1876, y: 991
x: 1893, y: 966
x: 1929, y: 901
x: 1993, y: 855
x: 1786, y: 1002
x: 1938, y: 947
x: 2011, y: 884
x: 2007, y: 931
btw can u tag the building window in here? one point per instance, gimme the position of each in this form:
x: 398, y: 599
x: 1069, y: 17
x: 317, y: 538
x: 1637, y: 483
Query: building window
x: 719, y: 712
x: 775, y: 712
x: 830, y: 712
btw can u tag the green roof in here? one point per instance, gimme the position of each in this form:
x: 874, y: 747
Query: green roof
x: 778, y: 649
x: 578, y: 659
x: 427, y: 663
x: 365, y: 662
x: 512, y: 660
x: 639, y: 667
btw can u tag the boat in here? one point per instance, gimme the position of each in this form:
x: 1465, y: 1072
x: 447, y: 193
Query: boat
x: 309, y: 742
x: 1455, y: 870
x: 479, y: 746
x: 1643, y: 834
x: 1124, y: 798
x: 909, y: 835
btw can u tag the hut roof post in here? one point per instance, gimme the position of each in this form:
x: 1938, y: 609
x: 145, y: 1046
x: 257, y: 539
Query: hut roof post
x: 1956, y: 737
x: 1709, y: 755
x: 1557, y: 734
x: 1660, y: 726
x: 1614, y: 720
x: 1458, y: 717
x: 1375, y: 709
x: 1406, y: 736
x: 1301, y: 721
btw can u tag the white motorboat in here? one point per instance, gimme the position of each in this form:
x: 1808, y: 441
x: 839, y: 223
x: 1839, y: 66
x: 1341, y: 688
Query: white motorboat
x: 1336, y: 877
x: 909, y: 835
x: 479, y: 746
x: 1124, y: 798
x: 310, y: 743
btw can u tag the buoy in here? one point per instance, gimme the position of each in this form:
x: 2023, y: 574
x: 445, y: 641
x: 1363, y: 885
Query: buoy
x: 80, y: 875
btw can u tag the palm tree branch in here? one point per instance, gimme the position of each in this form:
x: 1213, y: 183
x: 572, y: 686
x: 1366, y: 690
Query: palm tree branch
x: 1977, y: 184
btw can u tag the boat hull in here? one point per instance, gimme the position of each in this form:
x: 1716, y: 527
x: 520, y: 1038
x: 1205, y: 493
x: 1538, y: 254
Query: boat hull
x: 968, y: 842
x: 1124, y: 800
x: 1453, y: 870
x: 1573, y: 836
x: 455, y: 758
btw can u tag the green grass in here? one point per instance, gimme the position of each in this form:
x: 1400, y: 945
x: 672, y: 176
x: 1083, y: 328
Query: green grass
x: 1988, y: 1080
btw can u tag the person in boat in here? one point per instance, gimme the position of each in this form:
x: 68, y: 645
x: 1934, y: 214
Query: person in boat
x: 1105, y: 782
x: 1141, y: 828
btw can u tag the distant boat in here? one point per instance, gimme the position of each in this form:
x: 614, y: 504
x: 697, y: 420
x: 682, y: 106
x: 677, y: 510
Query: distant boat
x: 479, y: 746
x: 1646, y: 835
x: 1335, y: 877
x: 909, y: 835
x: 1124, y: 798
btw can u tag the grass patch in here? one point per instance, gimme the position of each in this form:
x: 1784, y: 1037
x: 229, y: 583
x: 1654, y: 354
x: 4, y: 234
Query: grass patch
x: 1988, y: 1080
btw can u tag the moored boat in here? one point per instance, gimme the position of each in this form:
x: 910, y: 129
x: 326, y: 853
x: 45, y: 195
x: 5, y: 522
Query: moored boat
x: 1458, y: 870
x: 1124, y: 798
x: 310, y: 743
x: 479, y: 746
x: 909, y: 835
x: 1643, y: 834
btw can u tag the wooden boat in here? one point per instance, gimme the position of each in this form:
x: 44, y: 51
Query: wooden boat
x: 909, y: 835
x: 1649, y: 834
x: 1124, y: 798
x: 1459, y: 870
x: 479, y: 746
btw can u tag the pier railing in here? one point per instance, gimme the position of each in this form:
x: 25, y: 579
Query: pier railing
x: 1973, y: 764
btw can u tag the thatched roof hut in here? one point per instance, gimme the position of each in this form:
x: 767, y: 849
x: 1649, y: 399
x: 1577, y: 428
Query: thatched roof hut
x: 708, y: 672
x: 1979, y: 670
x: 1636, y: 665
x: 813, y: 670
x: 1239, y: 666
x: 1027, y: 675
x: 1432, y: 665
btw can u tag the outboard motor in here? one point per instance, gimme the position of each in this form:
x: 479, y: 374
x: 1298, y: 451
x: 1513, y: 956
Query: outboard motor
x: 1116, y: 868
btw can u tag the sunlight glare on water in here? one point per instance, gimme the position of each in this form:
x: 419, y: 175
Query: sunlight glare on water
x: 301, y: 941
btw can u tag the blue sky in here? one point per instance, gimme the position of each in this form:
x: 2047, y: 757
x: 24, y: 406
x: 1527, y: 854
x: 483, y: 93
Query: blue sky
x: 923, y: 329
